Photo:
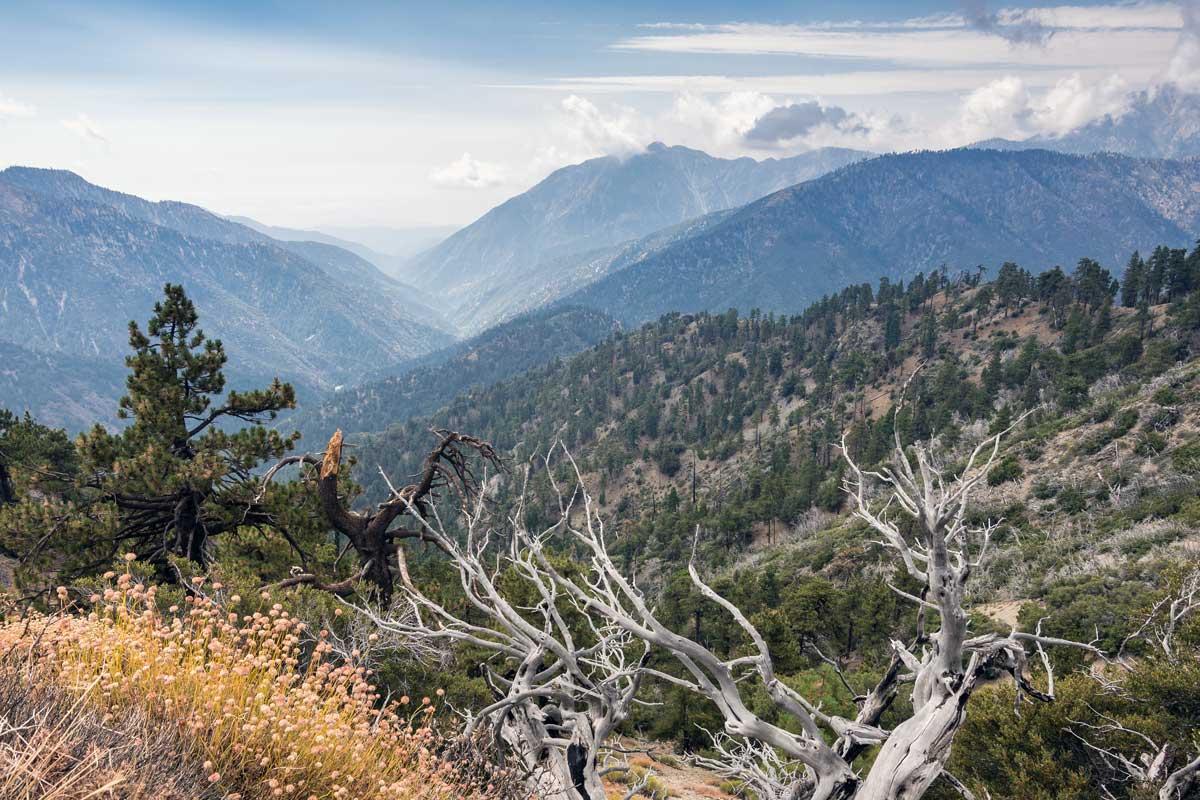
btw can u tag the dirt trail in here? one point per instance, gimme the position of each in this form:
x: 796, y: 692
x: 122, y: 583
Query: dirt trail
x: 1003, y: 611
x: 682, y: 781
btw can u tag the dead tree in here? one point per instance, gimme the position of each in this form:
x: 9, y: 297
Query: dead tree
x: 944, y: 667
x: 1149, y: 767
x: 1130, y: 754
x: 375, y: 535
x: 564, y: 681
x: 758, y: 767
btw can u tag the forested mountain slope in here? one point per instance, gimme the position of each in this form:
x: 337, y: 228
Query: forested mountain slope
x: 421, y: 386
x: 486, y: 271
x: 897, y: 215
x: 725, y: 391
x: 66, y: 391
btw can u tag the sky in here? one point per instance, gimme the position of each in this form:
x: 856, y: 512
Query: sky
x: 321, y: 114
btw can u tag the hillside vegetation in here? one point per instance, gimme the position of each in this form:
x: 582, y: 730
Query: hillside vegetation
x: 211, y: 697
x: 706, y: 438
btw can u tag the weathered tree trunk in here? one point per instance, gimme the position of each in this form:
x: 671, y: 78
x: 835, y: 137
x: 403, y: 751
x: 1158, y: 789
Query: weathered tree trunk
x: 547, y: 767
x: 190, y: 535
x: 8, y: 494
x: 1180, y: 782
x: 916, y: 751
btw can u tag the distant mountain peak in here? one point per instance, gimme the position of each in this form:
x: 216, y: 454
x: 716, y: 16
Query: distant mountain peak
x: 561, y: 234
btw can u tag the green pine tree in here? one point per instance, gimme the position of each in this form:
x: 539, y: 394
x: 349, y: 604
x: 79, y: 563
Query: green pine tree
x: 1132, y: 280
x: 183, y: 471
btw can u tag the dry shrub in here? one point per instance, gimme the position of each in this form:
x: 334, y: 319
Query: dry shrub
x: 53, y: 745
x: 263, y: 717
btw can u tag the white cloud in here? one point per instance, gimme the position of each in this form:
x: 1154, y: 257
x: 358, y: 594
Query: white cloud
x: 468, y: 173
x: 14, y: 108
x: 714, y: 123
x: 1074, y: 102
x: 1007, y: 108
x: 619, y: 131
x: 1108, y: 17
x: 1116, y: 37
x: 1184, y: 67
x: 83, y: 125
x: 578, y: 129
x: 1001, y: 108
x: 858, y: 82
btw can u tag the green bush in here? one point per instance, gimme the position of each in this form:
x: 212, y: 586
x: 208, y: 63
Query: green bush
x: 1009, y: 469
x: 1186, y: 458
x: 1162, y: 419
x: 1125, y: 421
x: 1160, y: 355
x: 1071, y: 500
x: 1150, y: 444
x: 1044, y: 490
x: 1072, y: 392
x: 1166, y: 396
x: 1102, y: 412
x: 1122, y: 424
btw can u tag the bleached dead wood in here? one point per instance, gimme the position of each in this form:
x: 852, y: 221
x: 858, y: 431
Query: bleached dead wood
x: 1152, y: 765
x: 564, y: 681
x: 943, y: 667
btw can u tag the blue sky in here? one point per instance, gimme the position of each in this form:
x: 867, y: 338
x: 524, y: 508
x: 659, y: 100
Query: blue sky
x: 310, y: 114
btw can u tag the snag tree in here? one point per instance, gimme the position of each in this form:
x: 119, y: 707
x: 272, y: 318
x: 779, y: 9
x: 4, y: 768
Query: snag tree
x: 943, y: 665
x: 563, y: 680
x: 376, y: 535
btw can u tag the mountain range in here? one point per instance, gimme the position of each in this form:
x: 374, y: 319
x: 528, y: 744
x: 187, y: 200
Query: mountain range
x: 79, y: 262
x: 608, y: 242
x: 897, y: 215
x: 561, y: 234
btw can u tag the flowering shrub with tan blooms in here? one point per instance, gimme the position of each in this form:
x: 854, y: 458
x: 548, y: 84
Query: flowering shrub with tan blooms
x: 269, y: 716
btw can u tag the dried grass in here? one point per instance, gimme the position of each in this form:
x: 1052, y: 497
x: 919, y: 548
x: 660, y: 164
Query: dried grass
x: 218, y: 705
x: 54, y: 746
